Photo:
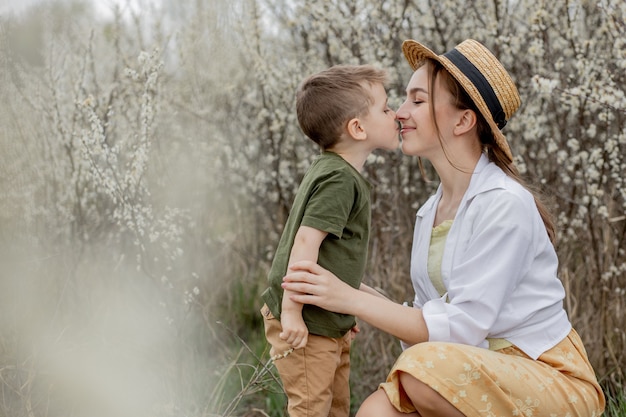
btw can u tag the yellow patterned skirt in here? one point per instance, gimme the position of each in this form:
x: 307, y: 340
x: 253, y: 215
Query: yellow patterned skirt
x: 506, y: 382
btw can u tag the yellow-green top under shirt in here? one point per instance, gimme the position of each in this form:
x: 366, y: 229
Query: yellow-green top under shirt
x: 435, y: 254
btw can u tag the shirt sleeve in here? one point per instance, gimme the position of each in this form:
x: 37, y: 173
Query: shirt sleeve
x: 497, y: 254
x: 330, y: 203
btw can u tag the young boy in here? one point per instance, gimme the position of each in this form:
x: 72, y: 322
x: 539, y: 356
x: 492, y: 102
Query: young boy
x: 344, y: 110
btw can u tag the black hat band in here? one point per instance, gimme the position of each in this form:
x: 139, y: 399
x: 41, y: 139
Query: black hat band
x: 481, y: 83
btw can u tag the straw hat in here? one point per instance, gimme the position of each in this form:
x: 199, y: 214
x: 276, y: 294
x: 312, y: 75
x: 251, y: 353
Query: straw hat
x: 481, y: 75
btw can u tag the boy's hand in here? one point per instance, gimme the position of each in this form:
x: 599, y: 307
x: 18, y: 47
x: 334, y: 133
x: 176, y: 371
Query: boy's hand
x: 294, y: 331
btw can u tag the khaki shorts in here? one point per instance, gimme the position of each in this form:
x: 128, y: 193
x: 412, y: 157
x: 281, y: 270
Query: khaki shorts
x: 316, y: 377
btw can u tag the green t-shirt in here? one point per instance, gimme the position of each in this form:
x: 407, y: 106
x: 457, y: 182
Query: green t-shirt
x: 333, y: 197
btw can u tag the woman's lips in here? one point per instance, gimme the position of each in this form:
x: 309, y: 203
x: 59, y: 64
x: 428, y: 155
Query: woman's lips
x: 405, y: 129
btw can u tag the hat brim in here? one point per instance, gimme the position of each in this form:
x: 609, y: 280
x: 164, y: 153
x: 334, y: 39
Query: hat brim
x: 416, y: 53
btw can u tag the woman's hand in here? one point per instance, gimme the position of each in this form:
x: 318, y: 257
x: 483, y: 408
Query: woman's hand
x: 315, y: 285
x: 354, y: 331
x: 318, y: 286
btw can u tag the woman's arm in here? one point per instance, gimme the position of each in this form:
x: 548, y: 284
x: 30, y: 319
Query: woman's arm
x: 312, y: 284
x: 370, y: 290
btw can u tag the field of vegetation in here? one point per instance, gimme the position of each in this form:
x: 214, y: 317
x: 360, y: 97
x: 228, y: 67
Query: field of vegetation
x: 149, y: 157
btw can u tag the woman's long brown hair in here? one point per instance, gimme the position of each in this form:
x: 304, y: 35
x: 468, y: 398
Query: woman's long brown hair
x: 495, y: 154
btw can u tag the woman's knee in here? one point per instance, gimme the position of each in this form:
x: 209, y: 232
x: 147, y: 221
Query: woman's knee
x: 377, y: 405
x: 426, y: 400
x: 415, y: 388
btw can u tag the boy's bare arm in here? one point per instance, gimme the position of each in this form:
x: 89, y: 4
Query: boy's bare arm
x: 305, y: 247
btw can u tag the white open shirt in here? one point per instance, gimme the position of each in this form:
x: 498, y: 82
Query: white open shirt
x: 499, y: 268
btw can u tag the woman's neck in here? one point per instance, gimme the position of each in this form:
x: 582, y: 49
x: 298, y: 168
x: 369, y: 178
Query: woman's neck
x: 455, y: 179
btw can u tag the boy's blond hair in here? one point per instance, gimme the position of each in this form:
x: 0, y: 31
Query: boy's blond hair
x: 326, y: 101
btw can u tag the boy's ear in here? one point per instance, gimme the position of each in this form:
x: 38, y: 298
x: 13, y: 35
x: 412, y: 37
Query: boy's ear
x: 466, y: 121
x: 355, y: 130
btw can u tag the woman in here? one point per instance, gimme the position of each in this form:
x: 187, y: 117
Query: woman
x: 487, y: 334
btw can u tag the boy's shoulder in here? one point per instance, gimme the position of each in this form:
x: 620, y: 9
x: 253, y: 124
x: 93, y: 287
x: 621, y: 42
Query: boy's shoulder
x: 329, y: 164
x: 330, y: 160
x: 329, y: 157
